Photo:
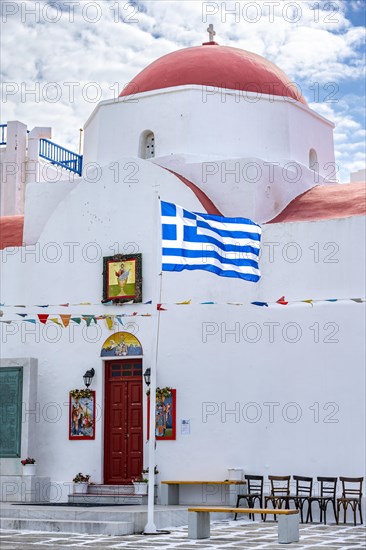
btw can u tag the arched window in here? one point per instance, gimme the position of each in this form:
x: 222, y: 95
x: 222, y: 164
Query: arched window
x: 147, y: 145
x: 313, y: 160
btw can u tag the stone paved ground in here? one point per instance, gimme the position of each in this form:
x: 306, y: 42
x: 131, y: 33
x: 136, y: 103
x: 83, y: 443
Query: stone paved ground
x: 225, y: 534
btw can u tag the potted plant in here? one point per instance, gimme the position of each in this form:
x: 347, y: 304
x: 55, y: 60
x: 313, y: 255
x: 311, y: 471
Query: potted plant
x: 29, y: 465
x: 145, y: 473
x: 81, y: 483
x: 140, y: 485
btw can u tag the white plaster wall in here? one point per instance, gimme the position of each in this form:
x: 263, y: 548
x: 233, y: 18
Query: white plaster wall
x: 193, y: 120
x: 246, y: 187
x: 305, y: 133
x: 315, y: 355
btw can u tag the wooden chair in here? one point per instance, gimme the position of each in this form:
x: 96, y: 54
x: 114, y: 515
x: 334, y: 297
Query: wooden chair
x: 255, y: 492
x: 351, y: 496
x: 328, y: 489
x: 304, y: 490
x: 280, y: 490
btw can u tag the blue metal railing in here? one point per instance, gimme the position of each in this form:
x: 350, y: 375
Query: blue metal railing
x: 3, y: 133
x: 61, y: 156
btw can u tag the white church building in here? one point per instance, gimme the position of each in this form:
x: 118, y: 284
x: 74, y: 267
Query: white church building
x: 269, y: 377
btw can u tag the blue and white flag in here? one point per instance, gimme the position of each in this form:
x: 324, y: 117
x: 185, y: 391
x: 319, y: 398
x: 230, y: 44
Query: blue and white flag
x: 228, y: 247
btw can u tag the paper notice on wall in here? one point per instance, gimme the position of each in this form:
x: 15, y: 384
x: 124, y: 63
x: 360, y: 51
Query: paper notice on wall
x: 185, y: 427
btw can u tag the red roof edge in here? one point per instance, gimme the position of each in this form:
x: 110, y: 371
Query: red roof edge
x: 326, y: 202
x: 11, y: 231
x: 207, y: 203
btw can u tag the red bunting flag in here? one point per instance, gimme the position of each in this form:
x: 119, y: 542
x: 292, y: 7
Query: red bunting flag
x: 159, y: 307
x: 282, y: 301
x: 43, y: 318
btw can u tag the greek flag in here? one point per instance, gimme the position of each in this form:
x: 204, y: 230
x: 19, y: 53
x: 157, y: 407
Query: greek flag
x: 228, y: 247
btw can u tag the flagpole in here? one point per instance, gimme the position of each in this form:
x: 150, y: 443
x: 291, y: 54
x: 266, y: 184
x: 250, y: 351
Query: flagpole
x: 150, y: 527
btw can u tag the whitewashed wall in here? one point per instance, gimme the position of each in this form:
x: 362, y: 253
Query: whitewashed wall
x: 312, y: 366
x: 213, y: 123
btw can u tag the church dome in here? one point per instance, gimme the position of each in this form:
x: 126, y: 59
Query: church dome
x: 217, y: 66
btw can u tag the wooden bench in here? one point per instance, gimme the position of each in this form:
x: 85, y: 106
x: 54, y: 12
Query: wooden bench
x: 199, y: 521
x: 220, y: 489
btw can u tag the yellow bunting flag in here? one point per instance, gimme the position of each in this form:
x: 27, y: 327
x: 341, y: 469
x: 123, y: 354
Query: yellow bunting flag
x: 110, y: 322
x: 56, y: 321
x: 308, y: 302
x: 186, y: 303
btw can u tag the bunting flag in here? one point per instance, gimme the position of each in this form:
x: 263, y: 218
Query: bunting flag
x: 357, y: 300
x: 56, y: 321
x: 186, y: 303
x: 260, y: 304
x: 22, y: 314
x: 76, y: 320
x: 159, y: 307
x: 110, y: 322
x: 43, y: 318
x: 30, y: 321
x: 119, y: 320
x: 65, y: 320
x: 308, y: 302
x: 88, y: 319
x: 282, y: 301
x: 208, y: 303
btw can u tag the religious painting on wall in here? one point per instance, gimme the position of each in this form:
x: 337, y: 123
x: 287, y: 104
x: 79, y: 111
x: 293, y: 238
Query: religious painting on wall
x: 122, y: 278
x: 121, y: 344
x: 82, y: 414
x: 165, y: 414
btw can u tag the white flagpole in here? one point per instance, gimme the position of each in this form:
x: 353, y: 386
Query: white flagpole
x: 150, y: 527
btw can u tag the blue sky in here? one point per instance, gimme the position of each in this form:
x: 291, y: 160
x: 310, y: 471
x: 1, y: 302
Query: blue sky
x: 319, y: 44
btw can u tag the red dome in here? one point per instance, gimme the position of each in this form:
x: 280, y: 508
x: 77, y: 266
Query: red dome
x: 217, y: 66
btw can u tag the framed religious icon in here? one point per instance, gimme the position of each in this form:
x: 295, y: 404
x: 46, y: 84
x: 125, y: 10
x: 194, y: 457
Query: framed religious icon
x: 122, y: 278
x: 82, y: 414
x: 165, y: 414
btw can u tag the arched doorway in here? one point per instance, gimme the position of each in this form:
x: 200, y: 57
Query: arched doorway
x: 123, y: 409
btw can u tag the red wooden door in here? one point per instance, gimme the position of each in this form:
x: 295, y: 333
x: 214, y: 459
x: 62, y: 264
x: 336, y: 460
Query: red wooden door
x: 123, y: 421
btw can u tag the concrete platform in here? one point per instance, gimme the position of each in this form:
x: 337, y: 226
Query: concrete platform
x: 111, y: 520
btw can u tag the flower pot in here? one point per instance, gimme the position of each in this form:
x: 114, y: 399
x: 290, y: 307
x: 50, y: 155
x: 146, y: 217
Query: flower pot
x: 29, y: 469
x: 140, y: 488
x: 81, y: 488
x: 146, y: 474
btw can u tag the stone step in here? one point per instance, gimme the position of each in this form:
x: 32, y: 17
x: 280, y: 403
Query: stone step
x: 115, y: 499
x: 69, y: 526
x: 111, y: 489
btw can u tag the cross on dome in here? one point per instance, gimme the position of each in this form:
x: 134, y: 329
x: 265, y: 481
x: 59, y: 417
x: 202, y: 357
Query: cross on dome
x: 211, y: 32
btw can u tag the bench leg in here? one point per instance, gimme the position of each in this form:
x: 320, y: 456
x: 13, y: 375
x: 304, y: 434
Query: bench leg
x: 169, y: 494
x: 198, y: 525
x: 288, y: 528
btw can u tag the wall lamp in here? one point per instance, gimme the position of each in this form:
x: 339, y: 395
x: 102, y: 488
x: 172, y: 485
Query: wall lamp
x: 147, y: 377
x: 88, y: 377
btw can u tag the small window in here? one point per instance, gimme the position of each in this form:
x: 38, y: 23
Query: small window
x: 147, y: 145
x: 313, y: 160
